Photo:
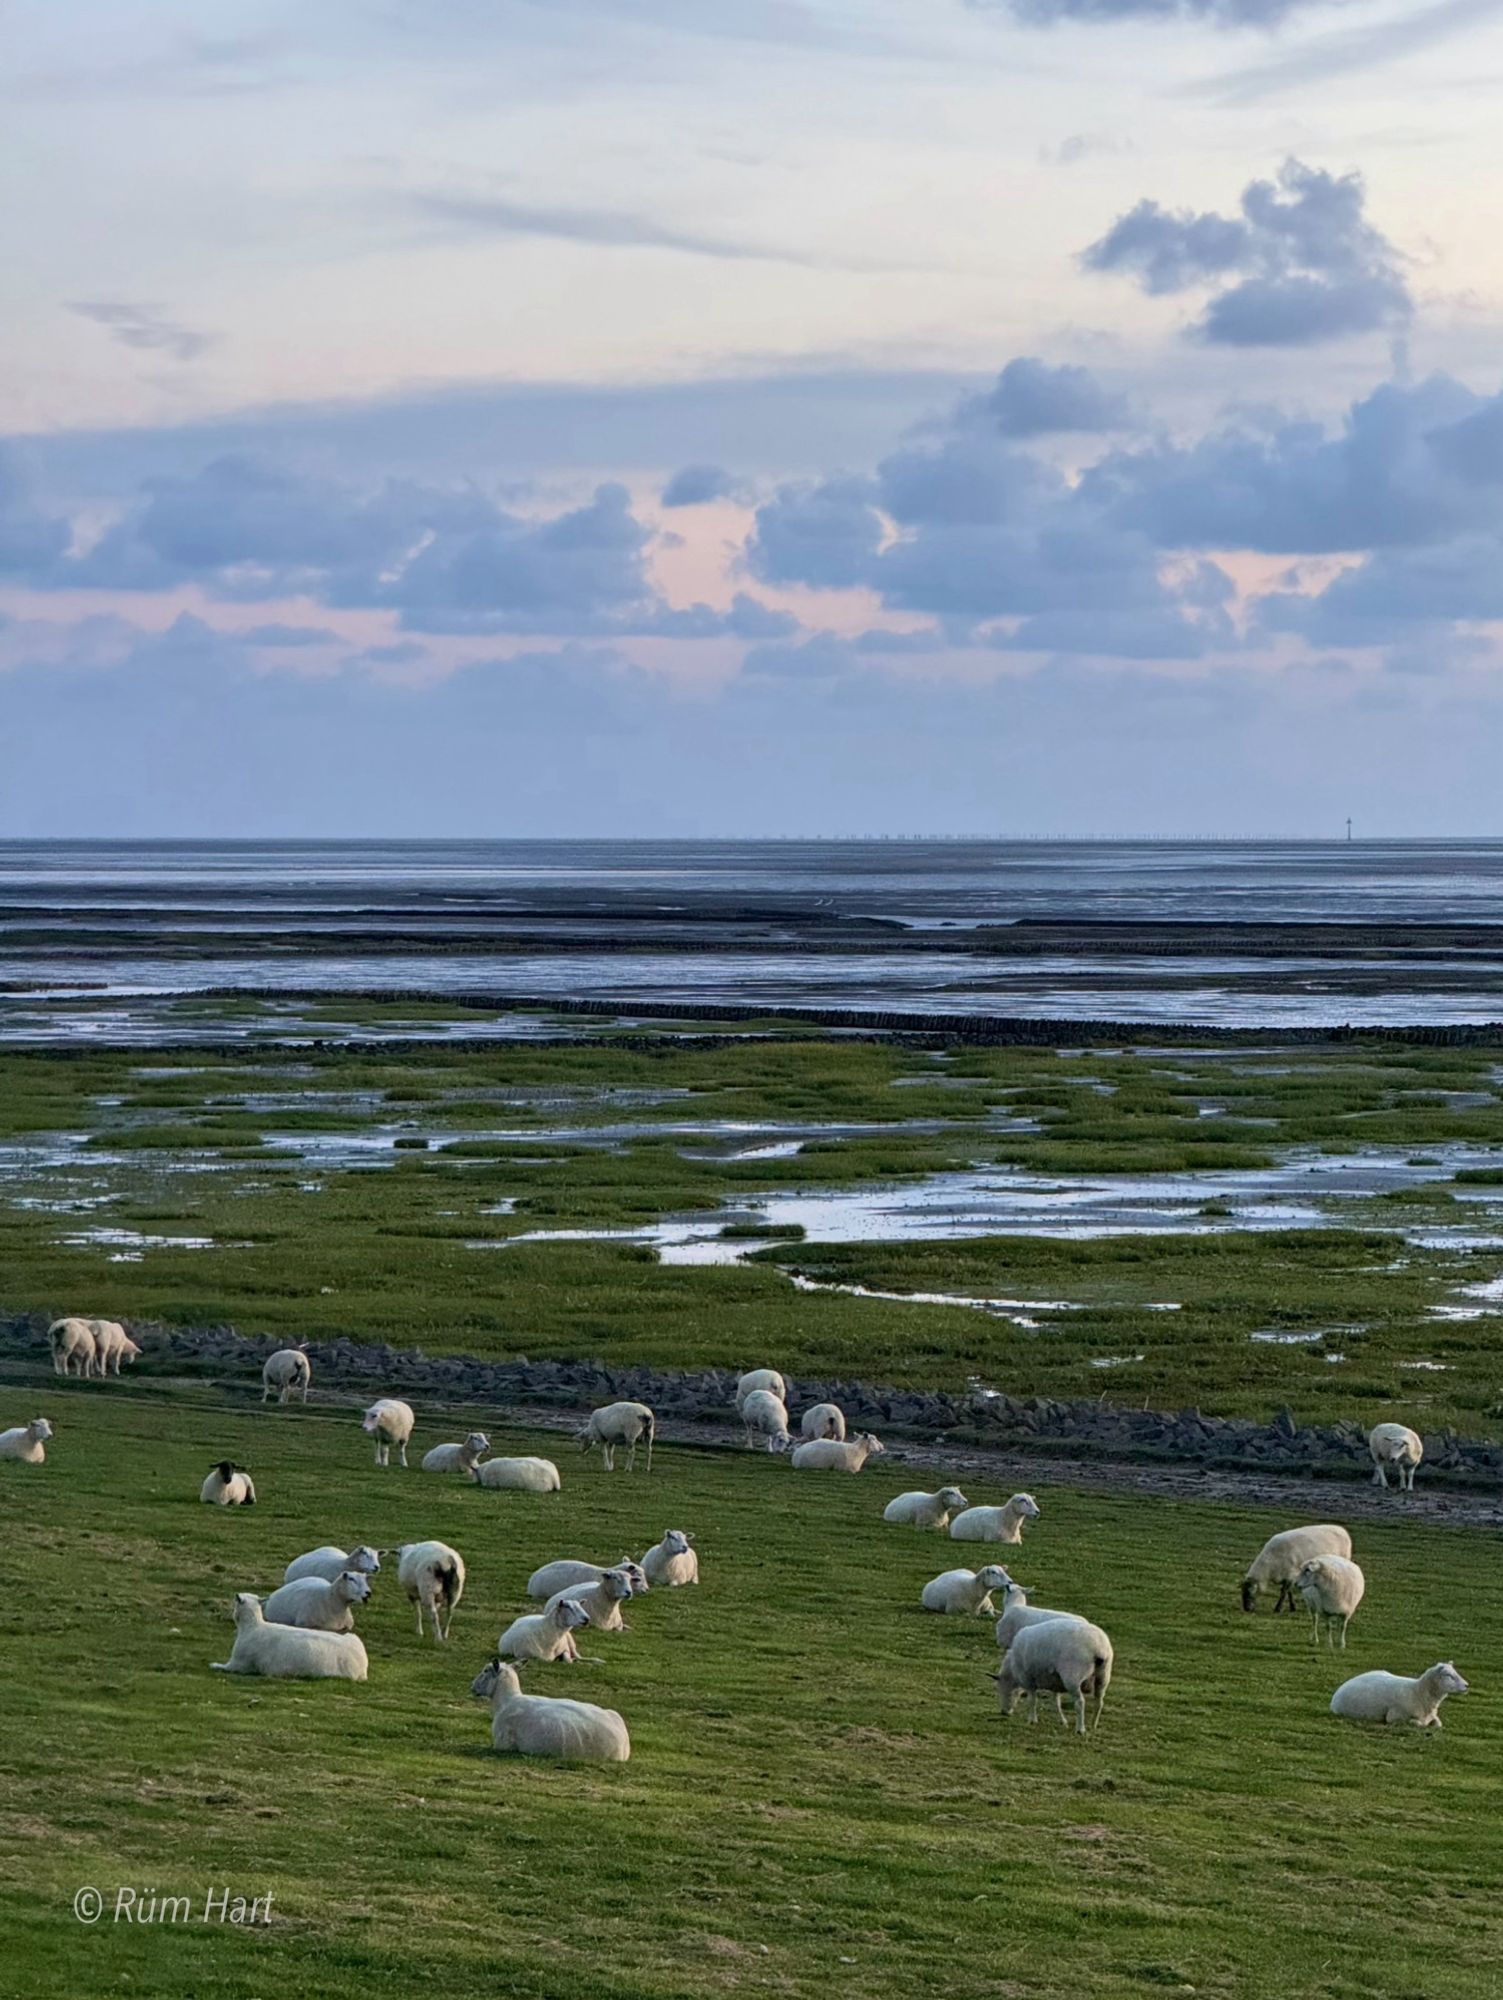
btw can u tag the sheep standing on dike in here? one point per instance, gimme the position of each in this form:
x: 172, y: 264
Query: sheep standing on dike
x: 286, y: 1652
x: 544, y: 1635
x: 760, y: 1378
x: 995, y: 1524
x: 112, y: 1345
x: 535, y: 1725
x: 27, y: 1443
x: 432, y: 1574
x: 1017, y: 1613
x: 566, y: 1572
x: 329, y: 1562
x: 617, y: 1424
x: 288, y: 1371
x: 967, y: 1593
x: 671, y: 1562
x: 518, y: 1475
x: 389, y: 1422
x: 457, y: 1457
x: 319, y: 1606
x: 1283, y: 1556
x: 1058, y: 1656
x: 1398, y: 1446
x: 830, y: 1455
x: 228, y: 1485
x: 74, y: 1348
x: 764, y: 1415
x: 823, y: 1420
x: 1332, y: 1588
x: 1381, y: 1697
x: 924, y: 1510
x: 601, y: 1602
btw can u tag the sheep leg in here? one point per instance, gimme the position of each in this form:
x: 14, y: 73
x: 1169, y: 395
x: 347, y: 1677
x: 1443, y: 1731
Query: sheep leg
x: 608, y: 1455
x: 1380, y: 1475
x: 1080, y: 1723
x: 631, y: 1457
x: 1344, y: 1623
x: 419, y: 1603
x: 402, y: 1450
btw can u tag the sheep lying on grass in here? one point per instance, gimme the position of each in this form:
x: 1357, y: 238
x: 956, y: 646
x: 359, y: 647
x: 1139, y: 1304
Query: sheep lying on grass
x: 28, y: 1442
x: 967, y: 1593
x: 1058, y: 1656
x: 601, y: 1602
x: 535, y: 1725
x: 319, y: 1606
x: 1380, y: 1697
x: 432, y: 1574
x: 285, y: 1652
x: 329, y: 1562
x: 73, y: 1346
x: 924, y: 1510
x: 1398, y: 1446
x: 1284, y: 1555
x: 1332, y: 1588
x: 389, y: 1422
x: 545, y: 1635
x: 288, y: 1371
x: 518, y: 1475
x: 228, y: 1485
x: 112, y: 1345
x: 755, y: 1379
x: 995, y: 1524
x: 616, y: 1424
x: 671, y: 1562
x: 457, y: 1457
x: 765, y: 1415
x: 829, y: 1455
x: 823, y: 1420
x: 567, y: 1572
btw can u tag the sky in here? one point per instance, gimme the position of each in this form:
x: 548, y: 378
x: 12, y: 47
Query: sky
x: 737, y: 417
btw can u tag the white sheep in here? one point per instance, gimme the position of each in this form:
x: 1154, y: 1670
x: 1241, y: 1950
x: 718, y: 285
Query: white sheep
x: 823, y: 1420
x: 618, y: 1423
x: 432, y: 1574
x: 1057, y: 1656
x: 564, y: 1574
x: 672, y: 1561
x: 535, y: 1725
x: 967, y: 1593
x: 319, y: 1606
x: 760, y: 1378
x: 288, y: 1371
x: 1380, y: 1697
x: 601, y: 1602
x: 458, y: 1457
x: 28, y: 1442
x: 995, y: 1524
x: 545, y: 1635
x: 72, y: 1342
x: 518, y: 1475
x: 830, y: 1455
x: 329, y: 1562
x: 1017, y: 1613
x: 228, y: 1485
x: 1398, y: 1446
x: 112, y: 1345
x: 924, y: 1510
x: 1332, y: 1587
x: 1284, y: 1555
x: 286, y: 1652
x: 390, y: 1423
x: 765, y: 1415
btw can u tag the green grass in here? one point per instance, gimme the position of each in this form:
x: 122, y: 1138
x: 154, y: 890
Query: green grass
x: 821, y: 1790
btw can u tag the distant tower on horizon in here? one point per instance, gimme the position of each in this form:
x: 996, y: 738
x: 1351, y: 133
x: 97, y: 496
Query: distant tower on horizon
x: 1348, y: 826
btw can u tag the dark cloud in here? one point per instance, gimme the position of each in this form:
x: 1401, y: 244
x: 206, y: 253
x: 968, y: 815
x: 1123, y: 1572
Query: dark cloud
x: 146, y: 328
x: 32, y: 540
x: 696, y: 484
x: 1033, y: 399
x: 825, y: 534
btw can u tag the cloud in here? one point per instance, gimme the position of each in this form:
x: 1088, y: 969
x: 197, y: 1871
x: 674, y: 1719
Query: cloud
x: 287, y: 638
x: 1033, y: 399
x: 144, y: 327
x: 1300, y: 263
x: 32, y: 541
x: 1107, y: 13
x: 694, y: 485
x: 1345, y: 53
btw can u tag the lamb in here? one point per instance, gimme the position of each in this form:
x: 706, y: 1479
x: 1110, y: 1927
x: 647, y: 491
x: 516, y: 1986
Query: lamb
x: 536, y: 1725
x: 601, y: 1602
x: 288, y: 1371
x: 390, y: 1423
x: 1283, y: 1556
x: 329, y: 1562
x: 285, y: 1652
x: 545, y: 1635
x: 565, y: 1574
x: 317, y: 1605
x: 1017, y: 1613
x: 924, y: 1510
x: 823, y: 1420
x: 765, y: 1415
x: 1332, y: 1588
x: 1398, y: 1446
x: 228, y: 1485
x: 618, y: 1423
x: 1058, y: 1656
x: 458, y: 1457
x: 831, y: 1455
x: 965, y: 1592
x: 672, y: 1561
x: 1380, y: 1697
x: 72, y: 1340
x: 760, y: 1378
x: 27, y: 1443
x: 518, y: 1475
x: 995, y: 1524
x: 112, y: 1345
x: 432, y: 1574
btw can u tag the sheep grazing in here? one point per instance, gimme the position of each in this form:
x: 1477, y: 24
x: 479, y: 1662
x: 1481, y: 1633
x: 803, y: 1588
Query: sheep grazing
x: 432, y: 1574
x: 1017, y: 1613
x: 764, y: 1415
x: 74, y: 1348
x: 389, y: 1423
x: 831, y: 1455
x: 545, y: 1635
x: 1059, y: 1657
x: 518, y: 1475
x: 535, y: 1725
x: 672, y: 1561
x: 767, y: 1379
x: 966, y: 1593
x: 617, y: 1424
x: 1398, y: 1446
x: 286, y: 1652
x: 1380, y: 1697
x: 566, y: 1573
x: 458, y: 1457
x: 228, y: 1485
x: 924, y: 1510
x: 28, y: 1443
x: 995, y: 1524
x: 601, y: 1602
x: 1283, y: 1556
x: 823, y: 1420
x: 288, y: 1371
x: 112, y: 1345
x: 319, y: 1606
x: 1332, y: 1588
x: 329, y: 1562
